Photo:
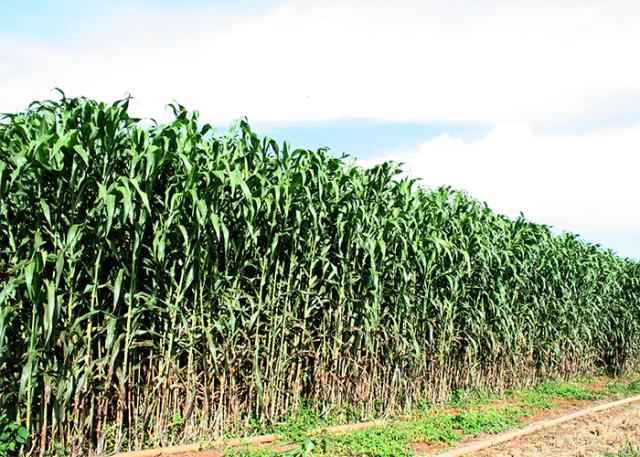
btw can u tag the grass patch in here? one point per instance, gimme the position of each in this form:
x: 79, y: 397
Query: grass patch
x: 623, y: 388
x: 383, y: 441
x: 472, y: 397
x: 629, y: 451
x: 534, y: 400
x: 305, y: 420
x: 263, y: 451
x: 396, y: 439
x: 545, y: 395
x: 490, y: 421
x: 565, y: 390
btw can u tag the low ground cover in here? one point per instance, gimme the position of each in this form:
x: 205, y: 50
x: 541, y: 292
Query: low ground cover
x: 630, y: 450
x: 439, y: 426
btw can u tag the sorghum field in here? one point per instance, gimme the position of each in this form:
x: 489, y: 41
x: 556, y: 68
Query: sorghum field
x: 165, y: 283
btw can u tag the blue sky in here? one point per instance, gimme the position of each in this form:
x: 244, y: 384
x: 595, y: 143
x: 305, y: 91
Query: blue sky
x: 364, y: 138
x: 530, y: 106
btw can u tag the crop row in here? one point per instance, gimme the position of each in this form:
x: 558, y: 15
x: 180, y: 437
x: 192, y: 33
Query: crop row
x: 163, y: 283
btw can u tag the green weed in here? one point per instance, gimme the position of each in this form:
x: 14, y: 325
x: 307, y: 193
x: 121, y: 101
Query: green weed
x: 12, y: 436
x: 472, y: 397
x: 629, y: 451
x: 303, y: 422
x: 567, y: 391
x: 396, y: 439
x: 384, y: 441
x: 545, y: 395
x: 263, y: 451
x: 623, y: 388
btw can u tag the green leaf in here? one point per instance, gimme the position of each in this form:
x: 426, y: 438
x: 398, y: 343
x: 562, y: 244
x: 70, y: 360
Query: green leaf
x: 22, y: 435
x: 46, y: 210
x: 50, y: 309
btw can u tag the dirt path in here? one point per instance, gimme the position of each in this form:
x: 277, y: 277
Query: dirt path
x: 592, y: 435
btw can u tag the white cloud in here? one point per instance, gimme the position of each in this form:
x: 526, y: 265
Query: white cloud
x: 518, y: 65
x: 524, y: 61
x: 583, y: 182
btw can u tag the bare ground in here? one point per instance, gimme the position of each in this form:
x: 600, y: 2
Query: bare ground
x: 591, y: 435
